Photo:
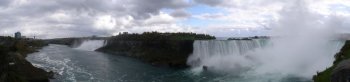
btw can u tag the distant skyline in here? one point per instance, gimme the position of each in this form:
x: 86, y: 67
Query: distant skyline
x: 221, y: 18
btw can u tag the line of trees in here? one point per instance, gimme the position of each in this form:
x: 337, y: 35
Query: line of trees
x: 162, y: 36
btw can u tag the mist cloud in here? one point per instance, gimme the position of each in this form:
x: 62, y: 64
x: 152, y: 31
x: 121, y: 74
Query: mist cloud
x: 303, y: 43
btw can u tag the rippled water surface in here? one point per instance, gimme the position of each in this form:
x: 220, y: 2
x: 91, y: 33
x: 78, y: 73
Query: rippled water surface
x: 74, y: 65
x: 88, y: 66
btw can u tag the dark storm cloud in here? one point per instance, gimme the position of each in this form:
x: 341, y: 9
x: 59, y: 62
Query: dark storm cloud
x: 62, y: 18
x: 180, y: 13
x: 210, y: 2
x: 4, y: 3
x: 153, y: 6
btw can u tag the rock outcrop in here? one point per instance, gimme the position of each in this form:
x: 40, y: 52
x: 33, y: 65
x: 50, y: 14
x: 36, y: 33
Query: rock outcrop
x: 13, y: 65
x: 14, y: 68
x: 341, y: 73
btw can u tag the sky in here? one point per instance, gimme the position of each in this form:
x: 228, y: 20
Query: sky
x: 80, y: 18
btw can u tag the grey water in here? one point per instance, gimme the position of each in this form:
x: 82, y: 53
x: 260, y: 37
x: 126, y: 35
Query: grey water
x: 83, y: 64
x: 74, y: 65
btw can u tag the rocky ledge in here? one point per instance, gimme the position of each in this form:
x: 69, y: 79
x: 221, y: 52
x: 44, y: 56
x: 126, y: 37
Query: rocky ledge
x: 13, y: 65
x: 340, y: 71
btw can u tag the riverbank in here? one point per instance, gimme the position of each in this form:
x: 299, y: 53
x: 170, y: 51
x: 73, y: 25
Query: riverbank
x: 13, y: 65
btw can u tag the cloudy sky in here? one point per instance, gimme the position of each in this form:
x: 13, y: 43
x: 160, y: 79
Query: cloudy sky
x: 222, y: 18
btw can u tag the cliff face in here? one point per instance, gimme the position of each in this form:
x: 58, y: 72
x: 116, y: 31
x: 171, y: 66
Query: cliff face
x: 160, y: 49
x: 340, y: 71
x: 172, y: 53
x: 341, y: 67
x: 13, y: 65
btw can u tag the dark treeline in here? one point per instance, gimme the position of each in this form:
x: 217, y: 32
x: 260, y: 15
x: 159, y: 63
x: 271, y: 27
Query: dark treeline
x: 13, y: 65
x: 73, y: 41
x: 159, y: 49
x: 22, y: 46
x: 249, y: 38
x: 162, y: 36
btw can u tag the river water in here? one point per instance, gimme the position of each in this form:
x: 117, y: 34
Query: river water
x: 226, y: 61
x: 74, y: 65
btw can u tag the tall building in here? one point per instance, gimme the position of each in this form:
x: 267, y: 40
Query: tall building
x: 18, y: 35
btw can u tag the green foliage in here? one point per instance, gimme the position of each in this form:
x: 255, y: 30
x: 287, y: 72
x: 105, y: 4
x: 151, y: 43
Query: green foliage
x: 15, y: 50
x: 325, y: 76
x: 11, y: 76
x: 169, y: 49
x: 3, y: 50
x: 37, y: 43
x: 172, y: 53
x: 21, y: 47
x: 248, y: 38
x: 150, y: 36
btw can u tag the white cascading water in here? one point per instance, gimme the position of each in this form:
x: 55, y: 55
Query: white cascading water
x: 302, y: 44
x: 205, y: 49
x: 256, y: 61
x: 91, y: 45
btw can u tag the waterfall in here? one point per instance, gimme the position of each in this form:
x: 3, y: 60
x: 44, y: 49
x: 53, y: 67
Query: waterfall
x: 257, y: 57
x: 206, y: 49
x: 91, y: 45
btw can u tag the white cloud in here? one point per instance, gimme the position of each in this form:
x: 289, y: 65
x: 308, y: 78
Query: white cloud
x: 258, y: 14
x: 162, y: 18
x: 105, y: 22
x: 210, y: 16
x: 65, y: 18
x: 74, y: 18
x: 60, y: 16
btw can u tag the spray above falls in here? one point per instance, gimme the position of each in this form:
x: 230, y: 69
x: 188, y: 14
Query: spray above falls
x: 204, y: 50
x: 301, y: 44
x: 91, y: 45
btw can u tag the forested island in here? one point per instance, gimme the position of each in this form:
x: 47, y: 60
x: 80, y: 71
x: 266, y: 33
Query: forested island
x: 13, y: 65
x: 159, y: 49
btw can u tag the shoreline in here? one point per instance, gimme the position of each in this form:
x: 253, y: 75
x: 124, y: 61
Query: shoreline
x: 13, y: 65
